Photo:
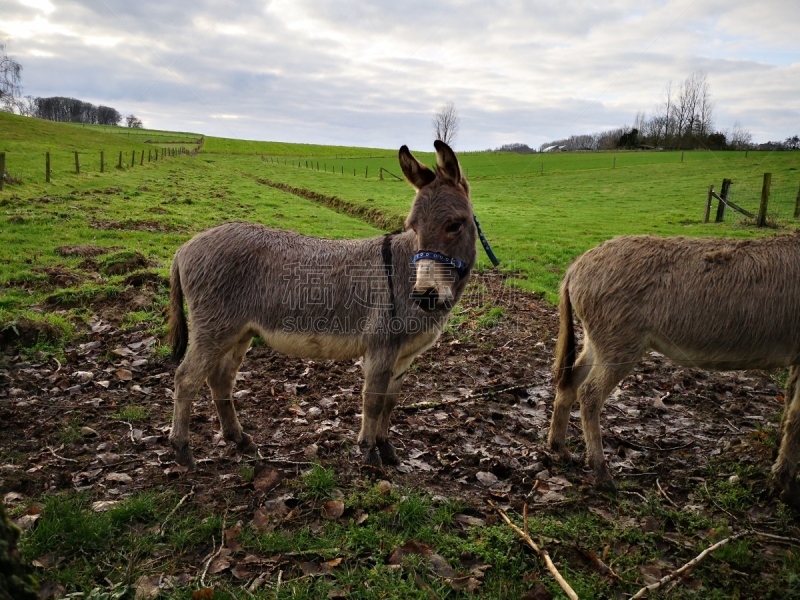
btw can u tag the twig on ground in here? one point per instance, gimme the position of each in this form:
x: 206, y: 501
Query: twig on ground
x: 53, y: 452
x: 210, y: 558
x: 664, y: 493
x: 540, y: 551
x: 691, y: 564
x: 174, y: 510
x: 637, y: 494
x: 434, y: 404
x: 133, y: 441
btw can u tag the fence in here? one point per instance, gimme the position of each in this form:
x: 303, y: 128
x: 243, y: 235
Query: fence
x: 772, y: 204
x: 8, y: 174
x: 315, y: 165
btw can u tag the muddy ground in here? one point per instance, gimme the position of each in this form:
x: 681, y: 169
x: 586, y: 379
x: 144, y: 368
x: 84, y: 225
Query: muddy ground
x: 487, y: 382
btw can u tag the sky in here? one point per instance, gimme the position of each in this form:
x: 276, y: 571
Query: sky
x: 359, y: 73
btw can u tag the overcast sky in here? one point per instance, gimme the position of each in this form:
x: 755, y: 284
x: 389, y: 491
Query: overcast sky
x: 354, y: 72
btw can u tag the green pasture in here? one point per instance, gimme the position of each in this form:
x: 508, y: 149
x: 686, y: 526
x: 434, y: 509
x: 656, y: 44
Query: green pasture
x: 538, y: 211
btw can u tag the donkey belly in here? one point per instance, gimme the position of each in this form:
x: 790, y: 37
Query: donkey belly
x: 314, y: 345
x: 706, y: 354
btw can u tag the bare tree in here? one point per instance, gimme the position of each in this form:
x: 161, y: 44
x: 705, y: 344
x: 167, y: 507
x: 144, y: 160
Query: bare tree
x: 10, y: 76
x: 133, y: 121
x: 446, y: 122
x: 739, y: 138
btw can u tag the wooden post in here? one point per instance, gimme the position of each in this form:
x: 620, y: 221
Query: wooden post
x: 541, y: 172
x: 141, y: 159
x: 681, y: 155
x: 119, y: 166
x: 102, y: 162
x: 614, y: 166
x: 149, y: 152
x: 354, y: 171
x: 762, y: 210
x: 2, y: 170
x: 745, y: 153
x: 708, y: 204
x: 366, y: 172
x: 133, y: 157
x: 380, y: 173
x: 726, y: 186
x: 317, y: 165
x: 47, y: 166
x: 797, y: 205
x: 77, y: 164
x: 343, y: 174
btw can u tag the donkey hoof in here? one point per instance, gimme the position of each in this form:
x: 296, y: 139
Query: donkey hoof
x: 183, y: 455
x: 372, y: 457
x: 388, y: 453
x: 246, y: 445
x: 604, y: 482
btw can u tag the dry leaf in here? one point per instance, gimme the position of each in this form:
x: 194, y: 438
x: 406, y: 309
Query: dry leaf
x: 148, y: 587
x: 123, y: 478
x: 486, y: 478
x: 266, y: 478
x: 333, y: 509
x: 440, y: 567
x: 104, y: 505
x: 204, y: 594
x: 411, y: 547
x: 124, y: 375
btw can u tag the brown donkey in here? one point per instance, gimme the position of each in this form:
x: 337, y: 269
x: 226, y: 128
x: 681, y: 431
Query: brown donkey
x: 710, y: 303
x: 385, y: 298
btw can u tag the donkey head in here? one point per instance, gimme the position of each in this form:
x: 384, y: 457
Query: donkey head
x: 442, y: 219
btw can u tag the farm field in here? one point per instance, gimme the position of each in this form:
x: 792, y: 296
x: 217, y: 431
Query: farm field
x: 85, y: 390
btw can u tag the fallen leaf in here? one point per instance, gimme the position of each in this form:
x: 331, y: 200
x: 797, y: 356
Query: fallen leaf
x: 469, y: 521
x: 266, y: 478
x: 124, y: 375
x: 485, y: 478
x: 25, y: 522
x: 104, y: 505
x: 441, y: 567
x: 123, y: 478
x: 204, y: 594
x: 333, y: 509
x: 537, y: 592
x: 410, y: 547
x: 231, y: 537
x: 147, y: 587
x: 12, y: 497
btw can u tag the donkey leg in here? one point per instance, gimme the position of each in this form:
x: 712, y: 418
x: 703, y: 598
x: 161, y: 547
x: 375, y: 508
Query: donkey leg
x: 189, y: 378
x: 565, y: 399
x: 221, y: 380
x: 785, y: 467
x: 600, y: 382
x: 385, y: 447
x: 377, y: 375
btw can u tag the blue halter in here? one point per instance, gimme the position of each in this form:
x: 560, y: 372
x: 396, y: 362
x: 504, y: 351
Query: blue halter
x: 459, y: 265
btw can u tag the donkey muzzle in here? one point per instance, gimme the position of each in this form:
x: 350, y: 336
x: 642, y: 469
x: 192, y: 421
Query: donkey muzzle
x: 426, y: 299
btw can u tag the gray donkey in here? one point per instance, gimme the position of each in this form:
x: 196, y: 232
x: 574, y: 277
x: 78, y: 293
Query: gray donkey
x: 710, y: 303
x: 385, y: 298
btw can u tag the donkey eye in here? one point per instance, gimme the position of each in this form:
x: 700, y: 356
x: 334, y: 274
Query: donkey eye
x: 454, y: 227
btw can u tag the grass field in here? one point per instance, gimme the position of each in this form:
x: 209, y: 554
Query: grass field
x: 538, y: 211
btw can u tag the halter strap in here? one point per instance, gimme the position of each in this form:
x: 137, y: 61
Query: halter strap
x: 459, y: 265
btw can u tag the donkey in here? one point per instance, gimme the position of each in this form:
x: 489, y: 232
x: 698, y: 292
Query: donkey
x: 385, y: 298
x: 712, y: 303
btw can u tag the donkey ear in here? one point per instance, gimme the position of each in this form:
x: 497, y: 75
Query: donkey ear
x: 447, y: 161
x: 417, y: 174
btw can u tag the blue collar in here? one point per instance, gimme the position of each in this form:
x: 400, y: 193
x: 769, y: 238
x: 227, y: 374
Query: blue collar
x: 459, y: 265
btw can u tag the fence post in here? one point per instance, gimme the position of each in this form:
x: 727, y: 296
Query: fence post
x: 149, y: 151
x: 102, y: 162
x: 141, y: 159
x: 47, y: 166
x: 681, y: 155
x: 797, y: 205
x: 366, y: 172
x: 723, y: 193
x: 541, y: 172
x: 343, y: 174
x: 708, y: 204
x: 614, y: 166
x: 77, y: 164
x: 762, y: 210
x: 2, y: 170
x: 133, y: 157
x: 380, y: 173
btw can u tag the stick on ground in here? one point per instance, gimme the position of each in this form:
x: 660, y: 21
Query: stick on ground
x: 540, y: 551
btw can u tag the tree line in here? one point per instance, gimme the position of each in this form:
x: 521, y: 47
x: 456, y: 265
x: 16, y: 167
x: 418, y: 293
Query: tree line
x: 56, y: 108
x: 682, y: 120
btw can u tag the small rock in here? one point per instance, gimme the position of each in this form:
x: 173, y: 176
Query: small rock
x: 310, y: 450
x: 733, y: 479
x: 313, y: 412
x: 88, y: 432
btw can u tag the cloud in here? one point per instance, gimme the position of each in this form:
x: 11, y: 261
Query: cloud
x: 365, y: 73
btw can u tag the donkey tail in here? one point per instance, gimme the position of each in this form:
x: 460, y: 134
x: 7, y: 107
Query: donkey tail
x: 565, y: 347
x: 178, y: 329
